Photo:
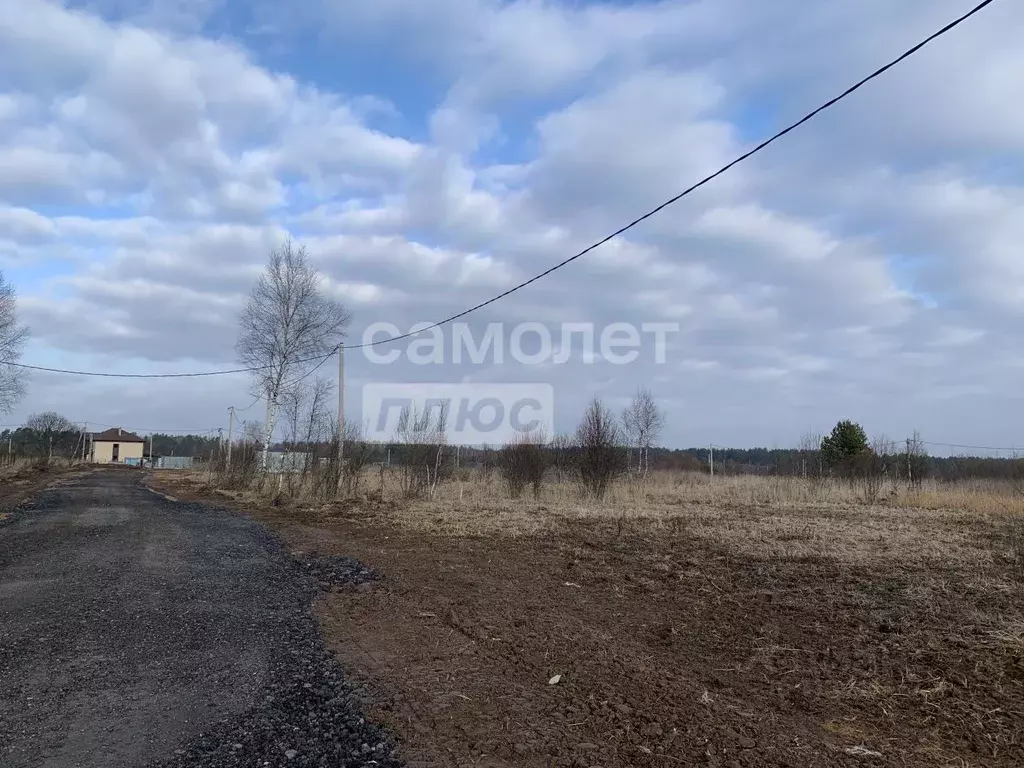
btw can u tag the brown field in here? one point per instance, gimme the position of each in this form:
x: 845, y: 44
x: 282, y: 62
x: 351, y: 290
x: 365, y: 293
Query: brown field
x: 729, y: 622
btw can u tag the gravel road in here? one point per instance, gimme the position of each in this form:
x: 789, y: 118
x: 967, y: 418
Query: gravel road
x: 136, y: 631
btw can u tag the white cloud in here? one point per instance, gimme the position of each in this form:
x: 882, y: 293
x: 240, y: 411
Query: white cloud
x: 147, y: 166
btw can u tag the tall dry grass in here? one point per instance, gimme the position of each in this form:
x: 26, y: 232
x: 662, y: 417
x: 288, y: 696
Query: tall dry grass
x: 979, y: 523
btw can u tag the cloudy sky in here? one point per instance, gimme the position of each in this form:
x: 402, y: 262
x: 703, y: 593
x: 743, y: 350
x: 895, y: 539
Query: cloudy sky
x: 431, y: 154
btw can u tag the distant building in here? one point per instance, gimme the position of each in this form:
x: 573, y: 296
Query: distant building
x: 117, y: 446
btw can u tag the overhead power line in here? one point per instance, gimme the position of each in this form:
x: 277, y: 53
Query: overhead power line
x: 970, y: 447
x: 152, y: 431
x: 672, y: 200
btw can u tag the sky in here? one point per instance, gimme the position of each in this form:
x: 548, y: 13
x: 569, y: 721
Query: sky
x: 431, y: 155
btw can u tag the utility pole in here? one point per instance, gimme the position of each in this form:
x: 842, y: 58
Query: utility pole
x: 341, y: 415
x: 9, y: 459
x: 711, y: 458
x: 231, y: 433
x: 910, y: 476
x: 151, y: 450
x: 85, y: 437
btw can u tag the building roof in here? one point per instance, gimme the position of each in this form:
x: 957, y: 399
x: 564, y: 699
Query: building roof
x: 117, y: 435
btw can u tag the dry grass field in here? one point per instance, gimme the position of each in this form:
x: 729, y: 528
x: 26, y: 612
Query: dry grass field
x: 734, y: 621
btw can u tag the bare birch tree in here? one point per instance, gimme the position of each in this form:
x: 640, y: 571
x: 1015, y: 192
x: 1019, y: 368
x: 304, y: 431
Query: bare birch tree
x: 13, y: 336
x: 288, y: 325
x: 642, y: 421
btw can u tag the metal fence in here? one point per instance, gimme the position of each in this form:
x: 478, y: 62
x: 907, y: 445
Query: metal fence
x: 174, y: 462
x: 280, y: 462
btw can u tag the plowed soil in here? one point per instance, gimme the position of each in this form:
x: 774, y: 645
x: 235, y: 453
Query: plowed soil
x: 603, y: 644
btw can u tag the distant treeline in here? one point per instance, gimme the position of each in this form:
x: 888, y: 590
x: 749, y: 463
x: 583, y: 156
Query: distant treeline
x: 26, y: 442
x: 797, y: 463
x: 58, y: 441
x: 781, y: 461
x: 728, y: 461
x: 199, y: 446
x: 31, y: 443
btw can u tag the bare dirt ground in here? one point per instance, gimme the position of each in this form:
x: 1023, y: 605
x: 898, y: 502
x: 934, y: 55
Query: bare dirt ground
x: 19, y: 483
x: 732, y: 637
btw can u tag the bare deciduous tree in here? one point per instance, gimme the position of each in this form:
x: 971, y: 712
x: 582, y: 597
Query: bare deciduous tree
x: 252, y: 431
x: 54, y: 432
x: 305, y: 411
x: 599, y: 456
x: 287, y: 326
x: 50, y: 423
x: 13, y: 336
x: 642, y: 421
x: 307, y: 416
x: 423, y: 455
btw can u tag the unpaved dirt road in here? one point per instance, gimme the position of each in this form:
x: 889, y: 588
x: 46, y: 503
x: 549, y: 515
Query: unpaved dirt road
x: 138, y: 631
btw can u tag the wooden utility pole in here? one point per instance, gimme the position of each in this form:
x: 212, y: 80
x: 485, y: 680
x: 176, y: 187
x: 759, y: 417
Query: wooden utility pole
x: 711, y: 458
x: 151, y: 451
x: 341, y: 415
x: 910, y: 474
x: 231, y: 433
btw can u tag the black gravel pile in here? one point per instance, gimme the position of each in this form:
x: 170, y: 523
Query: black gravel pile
x: 308, y: 715
x: 135, y: 631
x: 328, y: 571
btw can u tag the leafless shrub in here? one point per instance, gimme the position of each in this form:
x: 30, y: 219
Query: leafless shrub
x: 358, y: 454
x: 286, y: 326
x: 916, y: 458
x: 523, y: 462
x: 561, y: 456
x: 422, y: 455
x: 809, y: 452
x: 874, y: 467
x: 245, y: 464
x: 599, y: 457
